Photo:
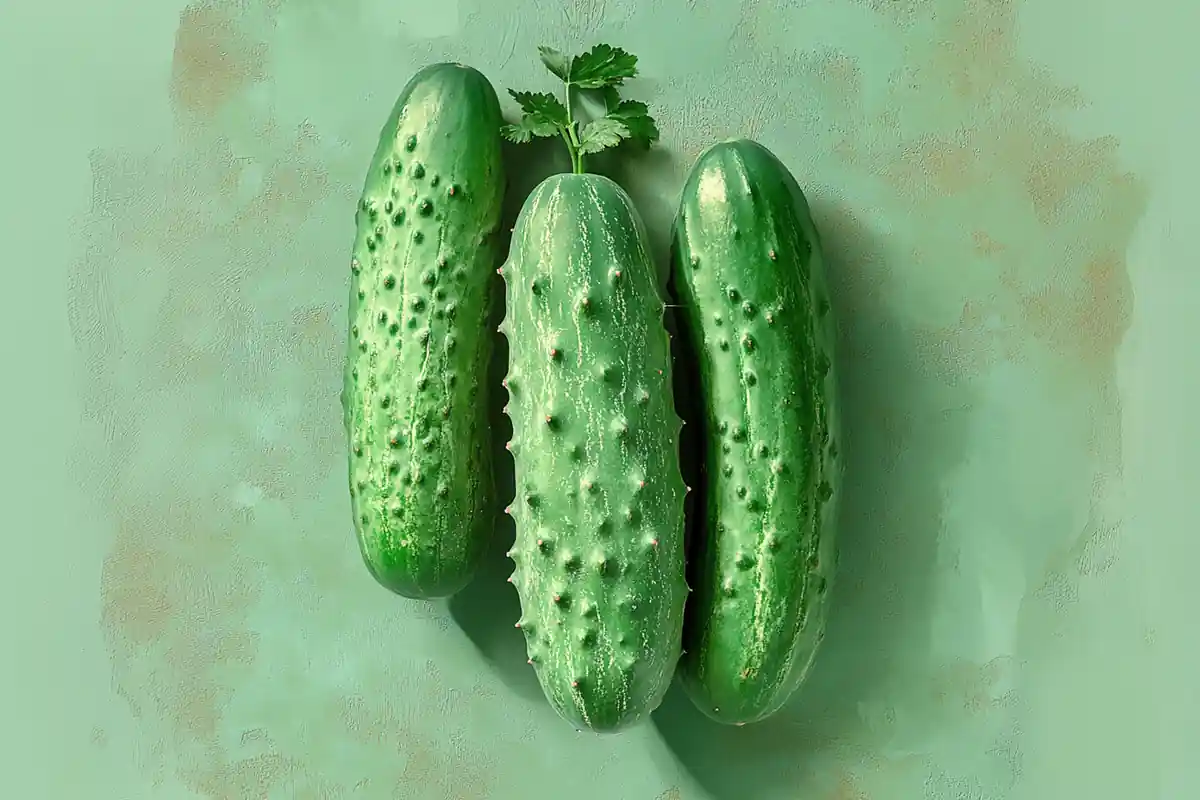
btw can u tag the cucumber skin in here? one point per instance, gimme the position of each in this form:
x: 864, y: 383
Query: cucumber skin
x: 748, y: 270
x: 414, y: 394
x: 599, y: 504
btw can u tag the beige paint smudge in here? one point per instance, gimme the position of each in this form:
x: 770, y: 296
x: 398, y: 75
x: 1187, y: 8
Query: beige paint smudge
x: 847, y: 789
x: 434, y: 768
x: 214, y: 414
x: 214, y: 59
x: 1058, y: 281
x: 214, y: 374
x: 1051, y: 284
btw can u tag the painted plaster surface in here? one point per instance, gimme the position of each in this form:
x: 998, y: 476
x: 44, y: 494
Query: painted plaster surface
x: 1007, y: 623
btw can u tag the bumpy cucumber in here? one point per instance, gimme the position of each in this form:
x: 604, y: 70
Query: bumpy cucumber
x: 748, y: 272
x: 414, y: 392
x: 599, y: 492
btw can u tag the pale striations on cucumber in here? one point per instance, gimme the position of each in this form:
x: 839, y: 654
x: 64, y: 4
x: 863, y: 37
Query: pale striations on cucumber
x: 599, y: 492
x: 750, y: 278
x: 414, y: 394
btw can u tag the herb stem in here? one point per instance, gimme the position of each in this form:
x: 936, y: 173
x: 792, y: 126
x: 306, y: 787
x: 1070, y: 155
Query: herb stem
x: 570, y: 149
x: 571, y: 137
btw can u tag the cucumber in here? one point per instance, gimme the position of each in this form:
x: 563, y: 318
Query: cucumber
x: 414, y: 394
x: 599, y: 500
x: 748, y: 272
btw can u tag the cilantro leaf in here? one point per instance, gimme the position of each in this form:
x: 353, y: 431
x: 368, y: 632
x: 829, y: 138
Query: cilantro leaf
x: 516, y: 132
x: 545, y: 115
x: 556, y: 62
x: 596, y: 74
x: 634, y: 114
x: 526, y: 128
x: 611, y: 97
x: 602, y: 66
x: 601, y: 134
x: 543, y: 105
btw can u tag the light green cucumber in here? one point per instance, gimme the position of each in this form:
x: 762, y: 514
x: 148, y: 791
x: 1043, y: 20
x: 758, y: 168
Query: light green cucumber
x: 755, y: 313
x: 414, y: 392
x: 599, y: 505
x: 600, y: 495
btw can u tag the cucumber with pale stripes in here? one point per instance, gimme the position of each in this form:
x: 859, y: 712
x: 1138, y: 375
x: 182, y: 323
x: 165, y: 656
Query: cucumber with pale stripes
x: 599, y: 492
x: 748, y: 271
x: 414, y: 393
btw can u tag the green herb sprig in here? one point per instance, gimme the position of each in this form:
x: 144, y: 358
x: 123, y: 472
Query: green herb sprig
x: 602, y: 69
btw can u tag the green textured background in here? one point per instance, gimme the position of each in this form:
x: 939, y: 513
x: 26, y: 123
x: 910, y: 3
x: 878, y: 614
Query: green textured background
x: 1005, y: 192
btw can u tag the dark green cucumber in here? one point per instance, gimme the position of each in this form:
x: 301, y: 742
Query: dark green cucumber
x: 748, y: 271
x: 414, y: 392
x: 599, y: 492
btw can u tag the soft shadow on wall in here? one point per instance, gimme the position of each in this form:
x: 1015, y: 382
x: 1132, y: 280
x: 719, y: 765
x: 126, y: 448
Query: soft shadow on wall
x: 991, y: 207
x: 883, y: 511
